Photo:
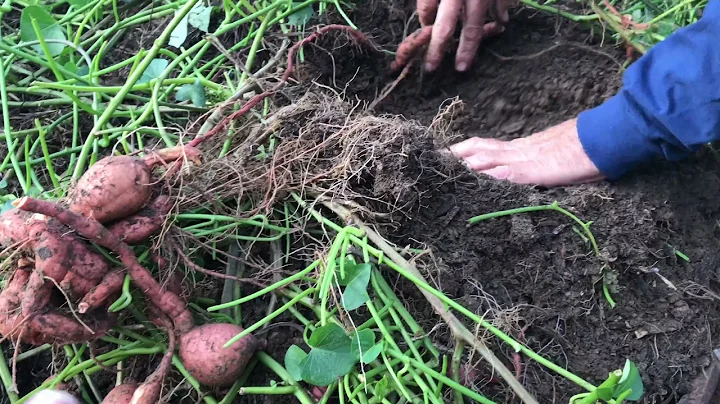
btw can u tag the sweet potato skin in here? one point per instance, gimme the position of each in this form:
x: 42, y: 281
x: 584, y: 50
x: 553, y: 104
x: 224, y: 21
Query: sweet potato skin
x: 145, y: 223
x: 411, y: 47
x: 113, y: 188
x: 13, y: 227
x: 121, y: 394
x: 202, y: 353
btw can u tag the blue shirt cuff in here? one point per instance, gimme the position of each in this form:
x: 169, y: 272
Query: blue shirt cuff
x: 613, y: 141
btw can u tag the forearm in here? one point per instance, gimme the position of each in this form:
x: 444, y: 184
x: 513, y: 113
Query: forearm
x: 669, y: 105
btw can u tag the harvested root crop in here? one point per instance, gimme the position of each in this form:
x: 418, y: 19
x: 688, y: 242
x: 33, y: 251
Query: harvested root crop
x: 121, y: 394
x: 119, y: 186
x: 203, y: 354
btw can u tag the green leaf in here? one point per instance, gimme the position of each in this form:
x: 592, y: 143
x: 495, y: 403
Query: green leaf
x: 179, y: 34
x: 630, y: 380
x: 154, y: 70
x: 71, y: 67
x: 194, y: 92
x: 362, y: 342
x: 49, y: 29
x: 302, y: 16
x: 356, y: 280
x: 199, y: 17
x: 372, y: 353
x: 331, y: 356
x: 6, y: 206
x: 293, y: 357
x: 381, y: 387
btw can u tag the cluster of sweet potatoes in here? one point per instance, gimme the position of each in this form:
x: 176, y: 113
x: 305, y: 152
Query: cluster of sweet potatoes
x: 62, y: 286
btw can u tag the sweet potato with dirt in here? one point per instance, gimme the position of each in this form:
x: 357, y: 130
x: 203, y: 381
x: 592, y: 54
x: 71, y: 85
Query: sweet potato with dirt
x: 168, y: 302
x: 412, y: 46
x: 121, y: 394
x: 118, y: 186
x: 13, y: 227
x: 149, y: 220
x: 205, y: 358
x: 10, y: 299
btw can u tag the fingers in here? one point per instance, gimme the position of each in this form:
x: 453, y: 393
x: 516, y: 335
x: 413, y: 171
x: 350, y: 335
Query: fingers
x: 443, y: 28
x: 53, y: 397
x: 472, y: 33
x: 500, y: 11
x: 476, y: 145
x: 426, y: 11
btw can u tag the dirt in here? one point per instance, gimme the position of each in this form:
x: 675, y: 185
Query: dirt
x: 533, y: 271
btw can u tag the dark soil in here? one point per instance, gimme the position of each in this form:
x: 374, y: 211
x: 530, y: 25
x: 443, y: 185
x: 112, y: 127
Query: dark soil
x: 534, y: 268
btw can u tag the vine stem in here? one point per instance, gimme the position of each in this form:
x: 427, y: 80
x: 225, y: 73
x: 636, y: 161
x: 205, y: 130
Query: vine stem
x: 458, y: 329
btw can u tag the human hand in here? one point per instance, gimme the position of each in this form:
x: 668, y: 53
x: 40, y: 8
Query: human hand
x: 552, y: 157
x: 53, y: 397
x: 444, y: 15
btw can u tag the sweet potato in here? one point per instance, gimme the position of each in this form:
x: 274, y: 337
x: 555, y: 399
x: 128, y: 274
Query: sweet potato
x: 411, y: 47
x: 121, y: 394
x: 10, y: 302
x: 139, y: 227
x: 149, y: 391
x: 113, y: 188
x: 202, y: 353
x: 102, y: 292
x: 12, y: 227
x: 56, y: 328
x: 168, y: 302
x: 118, y: 186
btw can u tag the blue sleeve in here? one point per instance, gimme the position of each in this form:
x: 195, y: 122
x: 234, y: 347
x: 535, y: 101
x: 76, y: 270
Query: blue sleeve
x: 669, y: 105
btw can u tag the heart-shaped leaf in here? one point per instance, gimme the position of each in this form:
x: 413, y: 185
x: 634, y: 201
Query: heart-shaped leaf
x: 301, y: 16
x: 199, y: 17
x: 293, y: 357
x: 331, y: 356
x: 194, y: 92
x: 356, y: 280
x: 49, y: 29
x: 154, y: 70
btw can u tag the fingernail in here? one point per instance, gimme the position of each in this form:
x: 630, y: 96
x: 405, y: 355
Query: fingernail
x: 429, y: 67
x: 462, y: 66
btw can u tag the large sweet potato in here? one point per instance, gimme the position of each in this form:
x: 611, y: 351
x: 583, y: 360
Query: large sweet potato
x: 203, y: 355
x: 113, y: 188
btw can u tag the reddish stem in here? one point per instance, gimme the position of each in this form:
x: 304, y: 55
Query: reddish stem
x: 357, y: 35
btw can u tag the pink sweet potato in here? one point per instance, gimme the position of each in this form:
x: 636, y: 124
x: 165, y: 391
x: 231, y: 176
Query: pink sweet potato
x: 12, y: 227
x: 203, y: 355
x: 113, y: 188
x: 118, y: 186
x: 121, y: 394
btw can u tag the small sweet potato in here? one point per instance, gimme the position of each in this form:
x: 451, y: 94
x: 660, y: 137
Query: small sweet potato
x: 121, y: 394
x: 204, y: 357
x: 411, y: 47
x: 103, y: 292
x: 10, y: 302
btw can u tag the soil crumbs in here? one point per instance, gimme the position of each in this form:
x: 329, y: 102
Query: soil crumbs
x: 532, y: 273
